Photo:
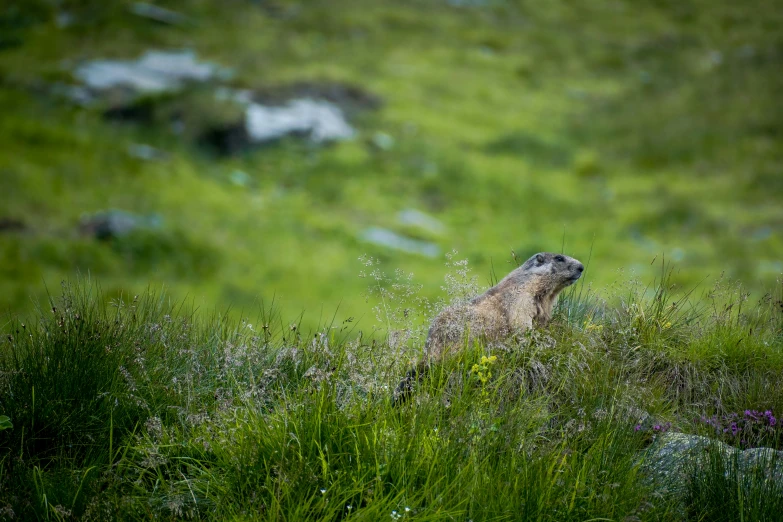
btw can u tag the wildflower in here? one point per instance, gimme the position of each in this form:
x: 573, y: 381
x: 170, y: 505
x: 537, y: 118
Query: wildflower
x: 637, y: 427
x: 590, y: 326
x: 488, y: 360
x: 481, y: 370
x: 323, y: 491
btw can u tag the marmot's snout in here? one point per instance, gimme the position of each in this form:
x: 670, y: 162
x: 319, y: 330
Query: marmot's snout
x: 576, y: 271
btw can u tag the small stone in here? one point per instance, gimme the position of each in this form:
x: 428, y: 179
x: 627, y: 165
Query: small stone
x: 393, y: 240
x: 761, y: 234
x: 383, y: 141
x: 158, y: 14
x: 240, y: 178
x: 64, y: 19
x: 419, y: 219
x: 145, y: 152
x: 113, y: 223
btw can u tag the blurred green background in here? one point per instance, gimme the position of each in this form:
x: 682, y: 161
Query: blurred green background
x: 616, y: 130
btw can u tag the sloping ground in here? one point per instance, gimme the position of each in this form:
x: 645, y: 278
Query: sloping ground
x: 143, y: 410
x: 619, y: 130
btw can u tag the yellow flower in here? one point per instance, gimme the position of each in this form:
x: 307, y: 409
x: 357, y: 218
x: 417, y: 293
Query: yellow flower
x: 488, y: 360
x: 481, y: 370
x: 590, y: 326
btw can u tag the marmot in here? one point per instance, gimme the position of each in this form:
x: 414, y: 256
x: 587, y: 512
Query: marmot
x: 525, y: 296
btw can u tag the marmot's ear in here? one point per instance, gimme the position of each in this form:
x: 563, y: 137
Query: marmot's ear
x: 539, y: 259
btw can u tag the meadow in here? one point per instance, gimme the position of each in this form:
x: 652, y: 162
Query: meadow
x: 143, y: 408
x: 235, y: 358
x: 622, y: 132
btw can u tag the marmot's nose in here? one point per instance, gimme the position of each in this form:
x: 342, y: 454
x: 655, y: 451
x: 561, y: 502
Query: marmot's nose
x: 580, y: 268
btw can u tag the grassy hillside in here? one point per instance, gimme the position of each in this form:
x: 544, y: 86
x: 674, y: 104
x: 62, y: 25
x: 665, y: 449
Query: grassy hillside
x: 618, y: 131
x: 143, y: 410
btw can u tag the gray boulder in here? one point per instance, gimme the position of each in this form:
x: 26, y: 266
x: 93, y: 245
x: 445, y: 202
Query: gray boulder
x: 114, y: 223
x: 670, y: 462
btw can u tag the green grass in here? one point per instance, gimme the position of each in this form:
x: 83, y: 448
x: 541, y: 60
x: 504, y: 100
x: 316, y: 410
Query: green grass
x: 144, y: 408
x: 644, y: 137
x: 620, y: 130
x: 719, y: 492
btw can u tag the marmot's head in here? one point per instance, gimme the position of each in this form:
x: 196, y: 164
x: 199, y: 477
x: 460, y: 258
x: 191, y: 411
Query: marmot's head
x: 559, y: 270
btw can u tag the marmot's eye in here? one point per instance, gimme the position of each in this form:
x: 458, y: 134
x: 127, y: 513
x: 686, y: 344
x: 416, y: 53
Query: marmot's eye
x: 559, y: 258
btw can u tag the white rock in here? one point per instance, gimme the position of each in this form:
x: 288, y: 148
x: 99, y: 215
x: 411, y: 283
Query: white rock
x: 391, y: 239
x: 155, y: 71
x: 414, y: 217
x: 321, y: 121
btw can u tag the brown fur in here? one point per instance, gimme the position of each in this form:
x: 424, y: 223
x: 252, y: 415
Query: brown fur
x: 525, y: 297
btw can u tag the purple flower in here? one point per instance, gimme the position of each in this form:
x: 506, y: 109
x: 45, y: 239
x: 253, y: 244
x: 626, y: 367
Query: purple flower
x: 746, y: 427
x: 637, y: 427
x: 753, y: 414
